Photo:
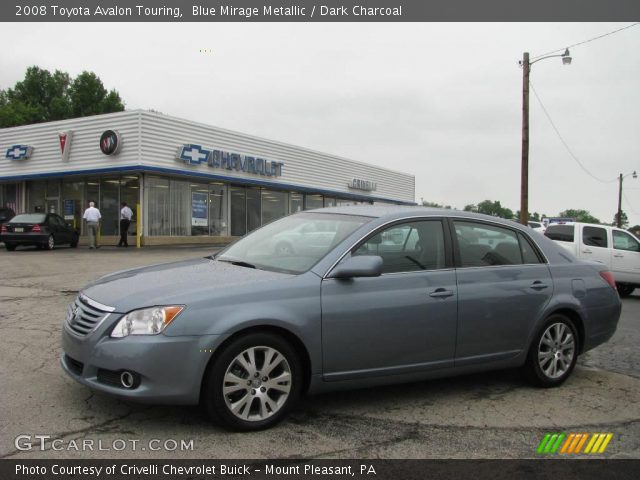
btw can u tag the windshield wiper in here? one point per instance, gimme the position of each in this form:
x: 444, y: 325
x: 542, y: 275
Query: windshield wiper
x: 239, y: 263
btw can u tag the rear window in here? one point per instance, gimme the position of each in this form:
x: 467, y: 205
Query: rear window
x: 562, y: 233
x: 28, y: 218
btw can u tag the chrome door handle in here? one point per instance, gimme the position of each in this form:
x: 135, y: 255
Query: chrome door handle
x: 587, y: 251
x: 538, y: 285
x: 441, y: 293
x: 619, y: 256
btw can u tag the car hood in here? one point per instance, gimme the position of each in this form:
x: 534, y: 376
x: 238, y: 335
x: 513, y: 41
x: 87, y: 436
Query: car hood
x: 172, y: 283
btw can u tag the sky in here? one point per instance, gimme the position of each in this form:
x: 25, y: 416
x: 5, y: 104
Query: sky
x: 441, y: 101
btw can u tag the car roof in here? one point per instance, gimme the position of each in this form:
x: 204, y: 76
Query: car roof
x: 391, y: 212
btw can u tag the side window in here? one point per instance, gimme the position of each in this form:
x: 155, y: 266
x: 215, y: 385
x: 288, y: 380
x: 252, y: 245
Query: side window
x: 561, y: 233
x: 482, y: 245
x: 624, y: 241
x: 529, y: 254
x: 594, y: 236
x: 408, y: 247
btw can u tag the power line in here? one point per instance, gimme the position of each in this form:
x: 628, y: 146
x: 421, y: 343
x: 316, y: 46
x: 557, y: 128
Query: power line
x: 586, y: 41
x: 566, y: 146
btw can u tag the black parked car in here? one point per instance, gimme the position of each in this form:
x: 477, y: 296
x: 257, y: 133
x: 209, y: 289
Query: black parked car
x: 6, y: 214
x: 45, y: 230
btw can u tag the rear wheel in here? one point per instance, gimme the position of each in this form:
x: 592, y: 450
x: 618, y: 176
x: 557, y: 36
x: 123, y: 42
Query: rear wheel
x: 74, y: 241
x: 625, y: 290
x: 51, y: 242
x: 10, y: 246
x: 253, y: 383
x: 553, y: 353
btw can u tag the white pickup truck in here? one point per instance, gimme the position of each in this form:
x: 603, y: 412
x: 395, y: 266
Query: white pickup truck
x: 618, y: 249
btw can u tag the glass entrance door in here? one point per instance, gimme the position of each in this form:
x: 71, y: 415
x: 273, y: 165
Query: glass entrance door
x: 52, y: 205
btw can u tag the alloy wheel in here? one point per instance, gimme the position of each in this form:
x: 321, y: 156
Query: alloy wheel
x: 257, y: 383
x: 556, y: 350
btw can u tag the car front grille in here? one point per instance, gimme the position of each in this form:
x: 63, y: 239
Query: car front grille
x: 84, y: 315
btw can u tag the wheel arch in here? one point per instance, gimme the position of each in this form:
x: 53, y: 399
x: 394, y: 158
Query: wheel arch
x: 578, y: 322
x: 289, y: 336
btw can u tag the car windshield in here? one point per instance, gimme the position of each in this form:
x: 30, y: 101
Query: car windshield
x: 28, y: 218
x: 292, y: 244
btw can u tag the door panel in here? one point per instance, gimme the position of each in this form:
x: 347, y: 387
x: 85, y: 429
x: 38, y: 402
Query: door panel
x: 595, y: 245
x: 503, y: 287
x: 625, y: 261
x: 498, y: 307
x: 389, y: 324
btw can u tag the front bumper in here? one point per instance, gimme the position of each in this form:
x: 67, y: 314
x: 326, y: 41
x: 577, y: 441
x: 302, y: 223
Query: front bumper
x: 170, y: 369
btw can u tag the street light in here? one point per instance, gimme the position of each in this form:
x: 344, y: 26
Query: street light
x: 524, y: 171
x: 622, y: 177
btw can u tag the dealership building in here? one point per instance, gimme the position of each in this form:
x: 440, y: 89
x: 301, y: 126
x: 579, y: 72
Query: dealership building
x: 187, y: 182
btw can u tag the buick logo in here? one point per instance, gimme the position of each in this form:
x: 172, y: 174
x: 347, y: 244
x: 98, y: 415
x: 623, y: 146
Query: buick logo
x: 110, y: 142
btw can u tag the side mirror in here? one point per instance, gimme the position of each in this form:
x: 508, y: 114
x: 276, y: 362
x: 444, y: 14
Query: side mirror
x: 359, y: 266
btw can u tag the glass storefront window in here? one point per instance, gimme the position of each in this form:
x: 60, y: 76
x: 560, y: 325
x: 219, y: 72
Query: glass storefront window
x: 254, y: 213
x: 158, y: 206
x: 199, y: 209
x: 329, y: 202
x: 180, y: 193
x: 312, y: 201
x: 72, y: 203
x: 274, y: 205
x: 296, y: 202
x: 110, y: 206
x: 130, y: 193
x: 238, y: 211
x: 36, y: 192
x: 218, y: 209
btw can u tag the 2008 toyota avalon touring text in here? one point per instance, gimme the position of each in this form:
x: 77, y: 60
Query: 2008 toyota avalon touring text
x: 334, y: 298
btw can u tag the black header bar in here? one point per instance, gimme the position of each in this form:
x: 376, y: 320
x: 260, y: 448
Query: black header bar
x: 319, y: 10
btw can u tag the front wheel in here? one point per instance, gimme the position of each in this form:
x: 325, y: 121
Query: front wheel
x: 253, y: 383
x: 624, y: 290
x: 553, y: 353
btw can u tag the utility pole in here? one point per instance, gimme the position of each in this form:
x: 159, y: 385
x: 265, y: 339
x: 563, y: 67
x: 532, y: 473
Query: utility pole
x: 619, y: 221
x: 524, y: 168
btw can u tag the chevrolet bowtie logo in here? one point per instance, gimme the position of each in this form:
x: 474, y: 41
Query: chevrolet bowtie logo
x: 19, y: 152
x: 193, y: 154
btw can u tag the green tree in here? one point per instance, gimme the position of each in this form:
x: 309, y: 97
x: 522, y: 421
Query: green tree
x: 623, y: 216
x: 89, y: 97
x: 495, y: 209
x: 580, y: 215
x: 43, y: 96
x: 470, y: 208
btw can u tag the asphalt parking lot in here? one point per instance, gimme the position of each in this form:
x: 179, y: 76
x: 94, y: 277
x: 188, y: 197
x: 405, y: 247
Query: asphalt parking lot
x: 493, y: 415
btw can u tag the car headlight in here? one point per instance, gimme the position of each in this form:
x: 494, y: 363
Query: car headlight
x: 146, y: 321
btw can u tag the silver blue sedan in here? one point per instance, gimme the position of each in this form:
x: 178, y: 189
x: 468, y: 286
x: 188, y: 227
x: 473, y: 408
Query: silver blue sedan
x: 391, y: 294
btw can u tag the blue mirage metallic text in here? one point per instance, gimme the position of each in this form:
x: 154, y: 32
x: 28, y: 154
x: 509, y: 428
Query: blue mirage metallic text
x: 295, y: 11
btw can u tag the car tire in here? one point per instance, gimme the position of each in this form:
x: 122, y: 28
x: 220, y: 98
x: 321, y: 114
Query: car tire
x: 74, y: 241
x: 253, y: 382
x: 10, y: 246
x: 553, y: 353
x: 624, y: 290
x: 50, y: 243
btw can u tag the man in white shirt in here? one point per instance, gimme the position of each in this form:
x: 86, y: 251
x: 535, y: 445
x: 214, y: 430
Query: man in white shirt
x: 92, y: 217
x: 125, y: 221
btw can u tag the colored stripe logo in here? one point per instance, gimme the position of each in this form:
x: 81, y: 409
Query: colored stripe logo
x: 573, y: 443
